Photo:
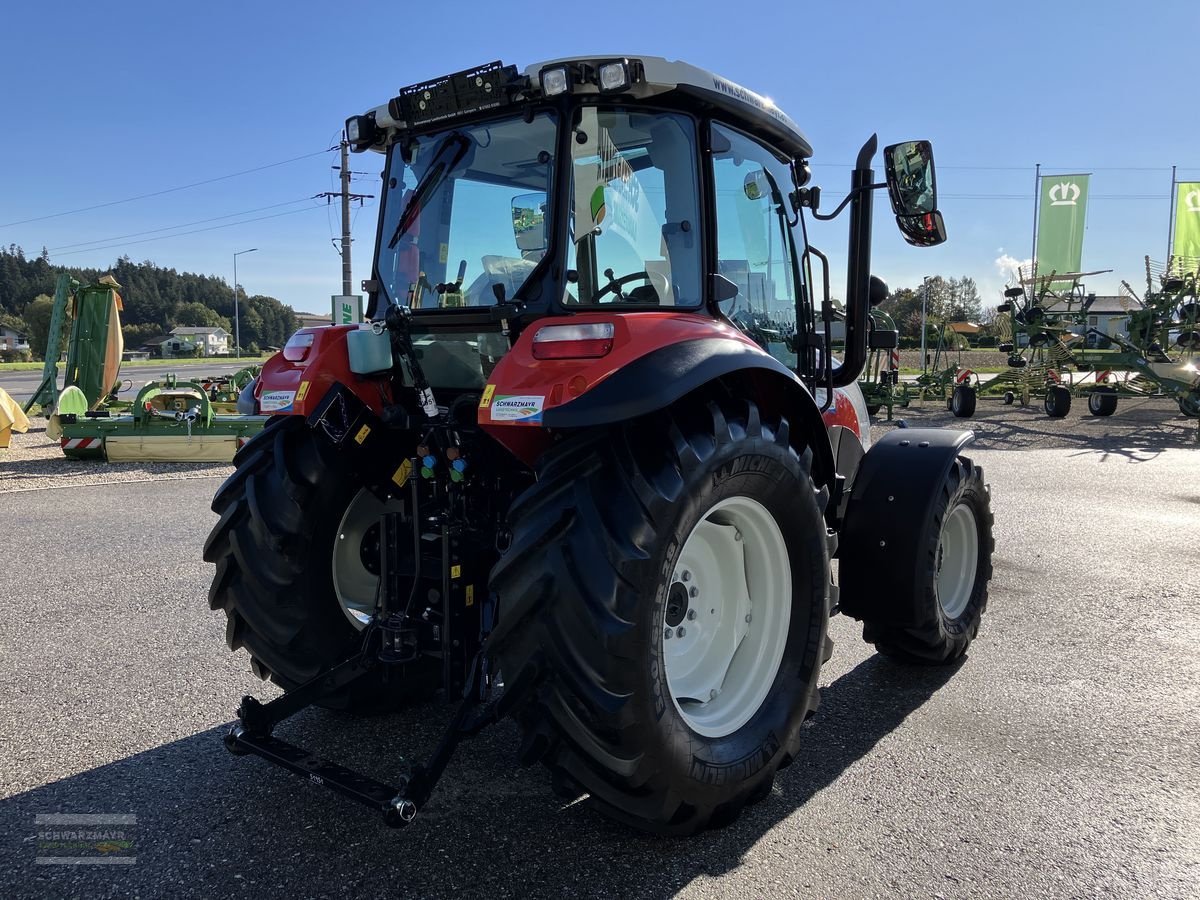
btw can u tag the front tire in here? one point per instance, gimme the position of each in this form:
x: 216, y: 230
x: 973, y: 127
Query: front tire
x: 605, y: 559
x: 951, y: 589
x: 275, y: 548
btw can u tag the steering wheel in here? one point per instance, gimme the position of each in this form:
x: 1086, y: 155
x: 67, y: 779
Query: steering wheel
x: 614, y: 284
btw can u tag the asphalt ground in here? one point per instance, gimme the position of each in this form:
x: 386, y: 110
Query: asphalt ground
x: 1059, y: 759
x: 21, y: 384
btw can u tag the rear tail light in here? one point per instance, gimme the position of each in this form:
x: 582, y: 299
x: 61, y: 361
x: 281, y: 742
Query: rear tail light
x: 297, y: 346
x: 583, y: 341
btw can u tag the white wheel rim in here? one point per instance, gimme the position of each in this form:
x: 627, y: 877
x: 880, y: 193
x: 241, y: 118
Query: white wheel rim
x: 355, y: 584
x: 957, y: 560
x: 726, y: 620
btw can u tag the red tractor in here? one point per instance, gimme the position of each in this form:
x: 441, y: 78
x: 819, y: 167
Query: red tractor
x: 590, y: 461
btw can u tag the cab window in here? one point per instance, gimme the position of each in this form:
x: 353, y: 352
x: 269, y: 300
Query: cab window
x: 754, y: 241
x: 634, y: 235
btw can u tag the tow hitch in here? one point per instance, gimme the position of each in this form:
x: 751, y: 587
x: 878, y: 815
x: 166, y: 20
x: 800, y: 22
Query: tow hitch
x: 386, y: 641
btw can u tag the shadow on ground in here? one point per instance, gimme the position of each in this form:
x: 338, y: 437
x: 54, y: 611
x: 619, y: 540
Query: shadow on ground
x: 1138, y: 432
x: 208, y: 822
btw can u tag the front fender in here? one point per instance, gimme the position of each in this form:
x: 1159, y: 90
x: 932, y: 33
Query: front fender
x: 887, y: 521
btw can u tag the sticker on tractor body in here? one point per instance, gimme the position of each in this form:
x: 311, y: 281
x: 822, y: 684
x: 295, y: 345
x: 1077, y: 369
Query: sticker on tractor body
x: 525, y: 409
x: 276, y: 401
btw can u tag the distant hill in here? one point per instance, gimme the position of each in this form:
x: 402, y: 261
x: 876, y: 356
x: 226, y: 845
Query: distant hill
x: 155, y: 298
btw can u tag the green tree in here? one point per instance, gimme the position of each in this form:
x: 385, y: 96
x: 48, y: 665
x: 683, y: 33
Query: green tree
x: 197, y: 315
x: 900, y: 305
x: 965, y: 303
x: 136, y: 335
x: 37, y: 325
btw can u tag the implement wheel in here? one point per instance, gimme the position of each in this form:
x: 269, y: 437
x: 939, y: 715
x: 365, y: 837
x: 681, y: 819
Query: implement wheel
x: 664, y: 611
x: 962, y: 401
x: 1058, y: 401
x: 1102, y: 401
x: 294, y: 548
x: 1189, y: 405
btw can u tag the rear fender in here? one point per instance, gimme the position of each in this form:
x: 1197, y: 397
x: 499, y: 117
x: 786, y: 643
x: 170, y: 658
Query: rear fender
x: 287, y: 387
x: 656, y: 359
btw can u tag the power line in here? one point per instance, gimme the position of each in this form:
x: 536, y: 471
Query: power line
x: 121, y: 237
x: 164, y: 237
x: 172, y: 190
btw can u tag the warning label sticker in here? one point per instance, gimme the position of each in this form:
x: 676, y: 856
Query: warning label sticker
x: 524, y: 408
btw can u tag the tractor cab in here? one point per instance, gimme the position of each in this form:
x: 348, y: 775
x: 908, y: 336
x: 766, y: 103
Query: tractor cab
x: 614, y: 186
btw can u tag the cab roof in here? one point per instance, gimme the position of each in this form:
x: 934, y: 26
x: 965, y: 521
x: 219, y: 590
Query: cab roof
x: 673, y: 82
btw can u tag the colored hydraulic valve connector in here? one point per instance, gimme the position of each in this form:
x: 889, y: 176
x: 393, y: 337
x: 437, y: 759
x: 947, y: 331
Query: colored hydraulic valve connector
x: 458, y: 465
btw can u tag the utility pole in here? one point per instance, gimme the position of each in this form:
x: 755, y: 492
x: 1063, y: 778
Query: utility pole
x: 924, y: 302
x: 346, y: 197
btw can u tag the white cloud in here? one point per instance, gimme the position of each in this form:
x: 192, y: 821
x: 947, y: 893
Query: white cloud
x: 1008, y: 267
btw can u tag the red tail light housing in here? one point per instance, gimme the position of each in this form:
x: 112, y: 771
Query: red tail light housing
x: 297, y: 346
x: 587, y: 340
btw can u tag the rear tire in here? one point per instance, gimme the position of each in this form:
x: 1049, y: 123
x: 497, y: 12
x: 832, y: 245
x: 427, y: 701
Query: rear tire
x: 952, y: 589
x: 1102, y: 401
x: 1058, y: 401
x: 273, y: 547
x: 595, y: 576
x: 962, y: 401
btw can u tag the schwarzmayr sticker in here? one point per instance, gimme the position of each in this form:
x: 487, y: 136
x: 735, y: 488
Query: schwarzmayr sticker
x: 517, y: 408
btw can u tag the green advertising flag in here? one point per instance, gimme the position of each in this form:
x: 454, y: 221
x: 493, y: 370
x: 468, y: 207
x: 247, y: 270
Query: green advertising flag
x: 1061, y: 218
x: 1187, y: 219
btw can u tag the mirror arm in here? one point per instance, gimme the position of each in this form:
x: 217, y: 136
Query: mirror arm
x: 850, y: 196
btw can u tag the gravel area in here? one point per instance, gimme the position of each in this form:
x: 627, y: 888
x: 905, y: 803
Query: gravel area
x: 971, y: 359
x: 1139, y: 428
x: 34, y: 462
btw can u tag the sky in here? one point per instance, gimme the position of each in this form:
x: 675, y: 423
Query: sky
x: 106, y: 102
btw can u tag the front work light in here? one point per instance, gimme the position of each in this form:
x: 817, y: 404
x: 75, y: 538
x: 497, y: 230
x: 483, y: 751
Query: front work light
x: 614, y: 76
x: 361, y: 132
x: 555, y: 81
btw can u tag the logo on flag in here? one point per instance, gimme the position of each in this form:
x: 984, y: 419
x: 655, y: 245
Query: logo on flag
x: 1065, y: 193
x: 1192, y: 201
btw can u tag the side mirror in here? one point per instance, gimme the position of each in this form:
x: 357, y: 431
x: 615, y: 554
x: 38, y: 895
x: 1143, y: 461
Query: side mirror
x: 529, y: 222
x: 912, y: 188
x: 927, y: 230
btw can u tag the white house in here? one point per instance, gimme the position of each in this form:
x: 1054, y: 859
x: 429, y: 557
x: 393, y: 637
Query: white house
x: 212, y: 341
x: 1108, y: 315
x: 11, y: 339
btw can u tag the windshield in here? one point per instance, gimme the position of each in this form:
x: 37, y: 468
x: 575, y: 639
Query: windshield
x: 465, y: 213
x: 635, y: 215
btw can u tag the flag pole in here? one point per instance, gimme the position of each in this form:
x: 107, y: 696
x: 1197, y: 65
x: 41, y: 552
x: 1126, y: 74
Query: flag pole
x: 1037, y: 191
x: 1171, y: 221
